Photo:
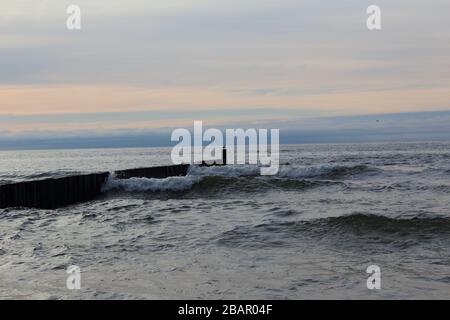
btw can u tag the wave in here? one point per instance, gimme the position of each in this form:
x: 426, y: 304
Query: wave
x: 226, y: 171
x: 238, y: 178
x: 154, y: 185
x: 331, y: 172
x: 212, y: 185
x: 353, y: 231
x: 209, y: 184
x: 286, y: 171
x: 420, y: 222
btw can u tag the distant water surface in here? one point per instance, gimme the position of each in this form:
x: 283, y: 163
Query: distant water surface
x: 226, y: 233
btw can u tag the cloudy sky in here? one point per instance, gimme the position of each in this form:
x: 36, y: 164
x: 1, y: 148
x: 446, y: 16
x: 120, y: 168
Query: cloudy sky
x: 148, y: 65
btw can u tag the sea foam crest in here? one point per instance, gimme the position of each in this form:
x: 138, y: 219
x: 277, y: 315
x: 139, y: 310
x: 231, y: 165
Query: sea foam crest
x: 286, y: 171
x: 146, y: 184
x: 197, y: 173
x: 303, y: 172
x: 226, y: 171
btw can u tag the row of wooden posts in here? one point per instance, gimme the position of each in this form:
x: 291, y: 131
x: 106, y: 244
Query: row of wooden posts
x: 58, y: 192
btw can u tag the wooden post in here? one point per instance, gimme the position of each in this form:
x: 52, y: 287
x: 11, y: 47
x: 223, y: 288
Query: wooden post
x: 224, y: 156
x: 52, y: 193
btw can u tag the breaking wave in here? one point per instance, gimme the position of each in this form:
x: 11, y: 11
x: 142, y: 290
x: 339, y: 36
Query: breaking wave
x: 153, y: 185
x: 239, y: 178
x: 353, y: 230
x: 330, y: 172
x: 286, y: 171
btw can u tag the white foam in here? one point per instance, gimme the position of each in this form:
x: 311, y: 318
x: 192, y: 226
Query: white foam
x: 197, y: 173
x: 303, y: 172
x: 227, y: 171
x: 145, y: 184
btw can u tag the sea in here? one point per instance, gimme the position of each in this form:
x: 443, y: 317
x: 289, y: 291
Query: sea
x: 310, y: 232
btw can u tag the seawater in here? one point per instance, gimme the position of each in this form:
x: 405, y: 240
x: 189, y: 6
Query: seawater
x: 227, y: 232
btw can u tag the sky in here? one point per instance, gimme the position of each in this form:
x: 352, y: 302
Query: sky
x: 138, y: 68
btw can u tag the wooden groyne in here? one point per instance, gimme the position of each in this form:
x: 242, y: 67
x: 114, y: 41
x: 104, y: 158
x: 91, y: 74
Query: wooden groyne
x: 52, y: 193
x: 59, y: 192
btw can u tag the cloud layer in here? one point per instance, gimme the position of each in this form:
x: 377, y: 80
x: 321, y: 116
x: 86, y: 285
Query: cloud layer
x: 243, y: 60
